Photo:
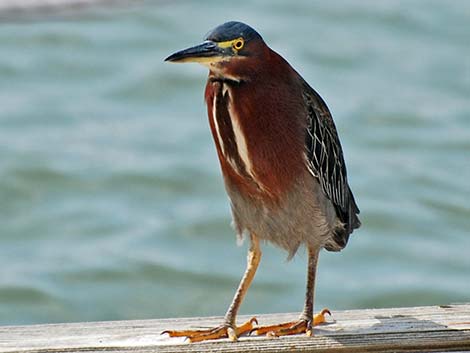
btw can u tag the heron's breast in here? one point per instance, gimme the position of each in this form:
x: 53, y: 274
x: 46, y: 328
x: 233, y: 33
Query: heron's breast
x: 255, y: 154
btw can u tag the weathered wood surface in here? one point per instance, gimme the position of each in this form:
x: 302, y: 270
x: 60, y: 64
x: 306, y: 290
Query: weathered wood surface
x: 418, y: 329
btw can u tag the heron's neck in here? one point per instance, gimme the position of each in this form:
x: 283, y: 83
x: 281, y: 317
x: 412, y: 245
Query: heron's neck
x: 225, y: 80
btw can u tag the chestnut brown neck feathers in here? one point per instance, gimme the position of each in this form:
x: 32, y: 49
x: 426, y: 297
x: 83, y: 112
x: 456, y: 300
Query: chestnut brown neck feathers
x: 250, y: 137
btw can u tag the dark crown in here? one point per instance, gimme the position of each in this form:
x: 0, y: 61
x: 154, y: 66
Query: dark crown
x: 232, y: 30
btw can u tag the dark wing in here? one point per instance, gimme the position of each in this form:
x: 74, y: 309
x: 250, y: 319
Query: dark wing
x: 326, y: 162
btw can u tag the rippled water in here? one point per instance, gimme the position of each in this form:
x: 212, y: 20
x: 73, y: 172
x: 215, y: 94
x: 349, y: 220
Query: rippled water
x: 111, y: 200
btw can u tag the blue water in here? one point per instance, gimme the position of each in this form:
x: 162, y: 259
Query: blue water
x: 111, y: 200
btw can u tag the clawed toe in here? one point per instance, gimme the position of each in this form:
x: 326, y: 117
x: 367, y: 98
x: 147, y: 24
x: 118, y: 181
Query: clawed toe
x: 223, y: 331
x: 287, y: 328
x: 293, y: 327
x: 228, y: 331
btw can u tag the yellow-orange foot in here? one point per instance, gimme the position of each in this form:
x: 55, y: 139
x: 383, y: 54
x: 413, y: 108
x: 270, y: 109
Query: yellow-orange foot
x: 293, y: 327
x: 222, y: 331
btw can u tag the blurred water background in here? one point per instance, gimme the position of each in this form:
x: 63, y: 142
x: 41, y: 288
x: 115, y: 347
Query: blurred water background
x: 111, y: 200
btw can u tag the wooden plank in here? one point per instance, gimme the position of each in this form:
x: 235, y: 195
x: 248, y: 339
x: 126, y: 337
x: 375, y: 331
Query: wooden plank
x: 418, y: 329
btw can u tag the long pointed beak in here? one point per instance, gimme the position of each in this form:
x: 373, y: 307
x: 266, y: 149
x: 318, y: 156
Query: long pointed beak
x: 207, y: 51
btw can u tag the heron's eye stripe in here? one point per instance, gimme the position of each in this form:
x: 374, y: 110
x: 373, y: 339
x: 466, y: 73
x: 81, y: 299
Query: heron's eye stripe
x: 225, y: 44
x: 236, y: 44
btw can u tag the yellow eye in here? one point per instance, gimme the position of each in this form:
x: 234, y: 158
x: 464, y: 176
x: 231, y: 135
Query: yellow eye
x: 238, y: 44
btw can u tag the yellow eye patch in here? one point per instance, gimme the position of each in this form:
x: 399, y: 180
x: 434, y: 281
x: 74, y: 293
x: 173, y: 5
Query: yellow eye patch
x: 236, y: 44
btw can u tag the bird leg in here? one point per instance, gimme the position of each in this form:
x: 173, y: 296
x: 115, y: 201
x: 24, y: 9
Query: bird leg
x: 229, y: 328
x: 307, y: 320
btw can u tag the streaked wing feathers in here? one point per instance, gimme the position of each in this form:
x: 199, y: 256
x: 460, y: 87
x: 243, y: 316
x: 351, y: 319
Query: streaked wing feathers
x: 325, y: 159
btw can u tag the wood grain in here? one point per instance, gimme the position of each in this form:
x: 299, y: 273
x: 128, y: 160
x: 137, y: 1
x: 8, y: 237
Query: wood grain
x: 417, y: 329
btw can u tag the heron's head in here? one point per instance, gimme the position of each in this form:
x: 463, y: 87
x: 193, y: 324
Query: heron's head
x: 231, y: 49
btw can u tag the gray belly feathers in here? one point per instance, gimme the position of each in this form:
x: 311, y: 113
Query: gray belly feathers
x: 300, y: 219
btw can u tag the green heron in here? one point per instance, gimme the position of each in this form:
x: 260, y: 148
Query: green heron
x: 281, y: 160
